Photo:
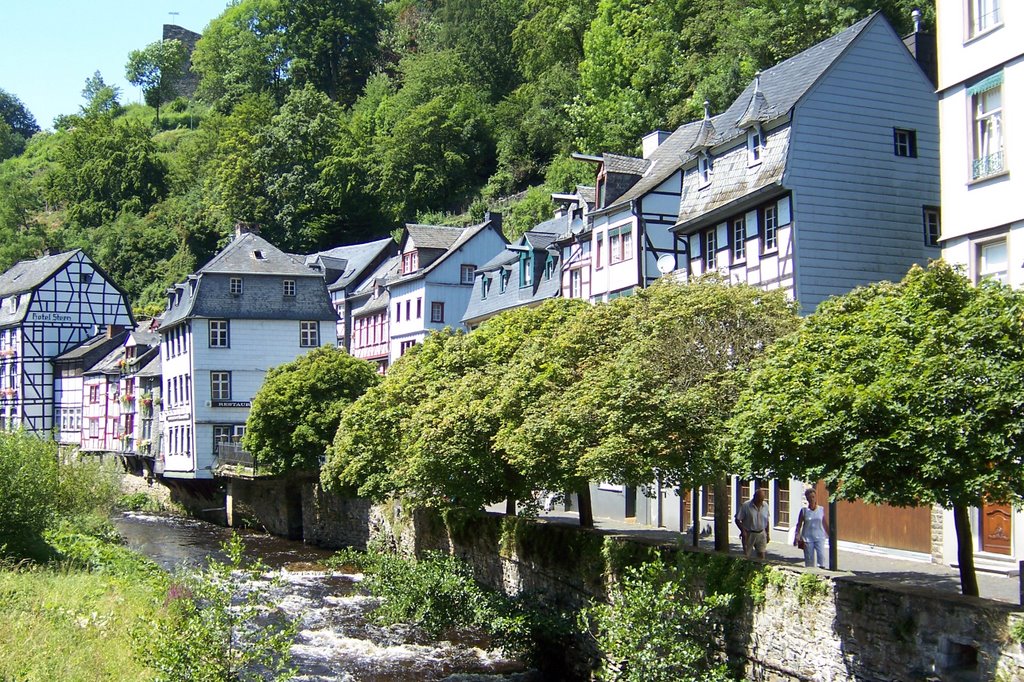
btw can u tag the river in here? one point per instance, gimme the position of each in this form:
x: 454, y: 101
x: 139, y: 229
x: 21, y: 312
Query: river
x: 336, y: 639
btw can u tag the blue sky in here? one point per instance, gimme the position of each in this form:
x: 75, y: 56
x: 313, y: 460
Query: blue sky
x: 49, y: 47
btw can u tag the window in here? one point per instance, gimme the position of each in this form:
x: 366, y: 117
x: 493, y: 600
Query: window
x: 94, y: 395
x: 932, y: 228
x: 408, y: 308
x: 598, y: 251
x: 744, y: 489
x: 984, y: 15
x: 221, y: 434
x: 708, y: 499
x: 94, y: 427
x: 992, y: 261
x: 398, y: 312
x: 219, y: 337
x: 987, y: 128
x: 419, y: 308
x: 404, y: 347
x: 770, y: 229
x: 704, y: 169
x: 309, y: 334
x: 289, y: 287
x: 549, y: 267
x: 485, y: 284
x: 754, y: 143
x: 620, y: 244
x: 576, y: 283
x: 85, y: 277
x: 467, y: 273
x: 437, y: 311
x: 505, y: 274
x: 526, y: 269
x: 235, y: 286
x: 410, y: 262
x: 739, y: 239
x: 220, y: 385
x: 780, y: 509
x: 710, y: 248
x: 904, y: 142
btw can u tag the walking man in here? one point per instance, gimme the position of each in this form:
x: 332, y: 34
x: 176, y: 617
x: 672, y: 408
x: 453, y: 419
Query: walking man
x: 752, y: 519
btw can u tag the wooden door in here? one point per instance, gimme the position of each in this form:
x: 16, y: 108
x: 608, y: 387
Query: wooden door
x: 996, y: 528
x: 907, y: 528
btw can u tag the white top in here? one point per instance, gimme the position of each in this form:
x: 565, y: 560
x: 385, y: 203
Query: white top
x: 751, y: 518
x: 812, y: 529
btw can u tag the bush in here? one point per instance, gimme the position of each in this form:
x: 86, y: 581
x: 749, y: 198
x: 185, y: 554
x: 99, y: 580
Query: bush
x: 28, y: 492
x: 214, y: 628
x: 658, y: 628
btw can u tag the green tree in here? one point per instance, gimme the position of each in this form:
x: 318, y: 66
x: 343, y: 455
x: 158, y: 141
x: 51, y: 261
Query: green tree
x: 332, y: 44
x: 17, y: 125
x: 296, y: 412
x: 105, y: 166
x: 906, y: 394
x: 241, y: 53
x: 100, y: 98
x: 154, y: 68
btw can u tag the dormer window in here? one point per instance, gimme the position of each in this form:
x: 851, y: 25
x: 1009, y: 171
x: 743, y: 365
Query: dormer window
x: 505, y: 274
x: 410, y: 262
x: 485, y: 284
x: 235, y: 286
x: 755, y: 141
x: 704, y: 169
x: 258, y: 255
x: 549, y: 267
x: 526, y: 269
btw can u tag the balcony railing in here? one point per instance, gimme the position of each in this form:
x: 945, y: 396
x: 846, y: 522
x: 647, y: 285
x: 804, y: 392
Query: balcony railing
x: 232, y: 455
x: 987, y: 165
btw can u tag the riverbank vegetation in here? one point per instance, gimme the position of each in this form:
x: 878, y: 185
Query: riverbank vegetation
x: 76, y: 604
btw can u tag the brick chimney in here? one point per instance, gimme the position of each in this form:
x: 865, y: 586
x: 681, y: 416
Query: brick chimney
x: 246, y: 228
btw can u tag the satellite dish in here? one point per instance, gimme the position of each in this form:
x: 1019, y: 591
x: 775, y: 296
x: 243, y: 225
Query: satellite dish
x: 666, y: 263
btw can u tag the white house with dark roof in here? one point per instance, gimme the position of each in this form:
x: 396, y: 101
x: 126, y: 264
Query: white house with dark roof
x: 346, y: 269
x: 821, y: 176
x: 438, y: 268
x: 527, y: 273
x: 981, y: 97
x: 48, y: 306
x: 251, y: 308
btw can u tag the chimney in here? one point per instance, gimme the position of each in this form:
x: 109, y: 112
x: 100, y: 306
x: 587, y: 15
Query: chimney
x: 113, y: 330
x: 923, y: 48
x: 495, y: 219
x: 245, y: 228
x: 652, y: 141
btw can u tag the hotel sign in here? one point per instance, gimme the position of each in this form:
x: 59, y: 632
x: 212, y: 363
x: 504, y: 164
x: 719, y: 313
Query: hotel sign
x: 231, y: 403
x: 50, y: 317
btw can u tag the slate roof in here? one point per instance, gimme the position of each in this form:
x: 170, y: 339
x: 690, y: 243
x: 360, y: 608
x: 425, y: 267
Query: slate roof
x: 350, y: 260
x: 94, y: 345
x: 153, y: 368
x: 433, y: 236
x: 780, y: 88
x: 239, y: 258
x: 28, y: 274
x: 616, y: 163
x: 109, y: 363
x: 204, y: 296
x: 439, y: 234
x: 514, y: 296
x: 387, y: 270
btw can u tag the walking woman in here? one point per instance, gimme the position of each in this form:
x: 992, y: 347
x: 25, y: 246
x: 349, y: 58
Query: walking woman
x: 812, y: 530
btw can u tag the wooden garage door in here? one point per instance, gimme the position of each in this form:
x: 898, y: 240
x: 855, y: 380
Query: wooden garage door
x: 908, y: 528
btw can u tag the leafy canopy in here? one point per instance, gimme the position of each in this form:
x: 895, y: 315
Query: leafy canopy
x: 296, y: 412
x: 906, y: 394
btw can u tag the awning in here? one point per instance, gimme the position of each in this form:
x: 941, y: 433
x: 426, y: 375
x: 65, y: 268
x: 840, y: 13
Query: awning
x: 990, y: 83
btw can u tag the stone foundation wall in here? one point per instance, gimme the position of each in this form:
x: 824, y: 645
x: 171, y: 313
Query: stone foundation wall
x: 334, y: 522
x: 272, y: 505
x: 153, y: 487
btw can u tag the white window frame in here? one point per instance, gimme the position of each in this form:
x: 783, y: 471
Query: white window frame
x: 704, y: 169
x: 738, y: 237
x: 235, y: 286
x: 220, y: 334
x: 576, y: 283
x: 288, y: 288
x: 988, y: 147
x: 220, y: 385
x: 710, y: 246
x: 904, y: 142
x: 983, y: 16
x: 770, y: 228
x: 467, y: 273
x: 437, y: 312
x: 309, y: 334
x: 755, y: 144
x: 932, y: 225
x: 987, y: 270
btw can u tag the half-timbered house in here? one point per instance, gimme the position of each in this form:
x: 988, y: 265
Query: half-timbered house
x: 368, y: 307
x: 71, y: 396
x: 251, y: 308
x: 48, y: 306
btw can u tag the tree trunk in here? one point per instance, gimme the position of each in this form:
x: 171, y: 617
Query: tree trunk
x: 965, y: 551
x: 586, y: 509
x: 510, y: 506
x: 695, y: 509
x: 721, y: 514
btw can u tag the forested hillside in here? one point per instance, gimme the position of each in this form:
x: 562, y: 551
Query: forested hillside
x: 334, y: 121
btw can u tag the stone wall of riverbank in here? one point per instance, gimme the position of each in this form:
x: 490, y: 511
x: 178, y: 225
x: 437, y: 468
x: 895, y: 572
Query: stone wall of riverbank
x: 792, y: 624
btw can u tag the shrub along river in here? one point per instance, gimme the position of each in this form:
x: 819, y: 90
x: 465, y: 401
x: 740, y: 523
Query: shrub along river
x: 337, y: 638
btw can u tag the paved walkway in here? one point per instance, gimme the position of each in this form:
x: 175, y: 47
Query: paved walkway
x: 868, y: 564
